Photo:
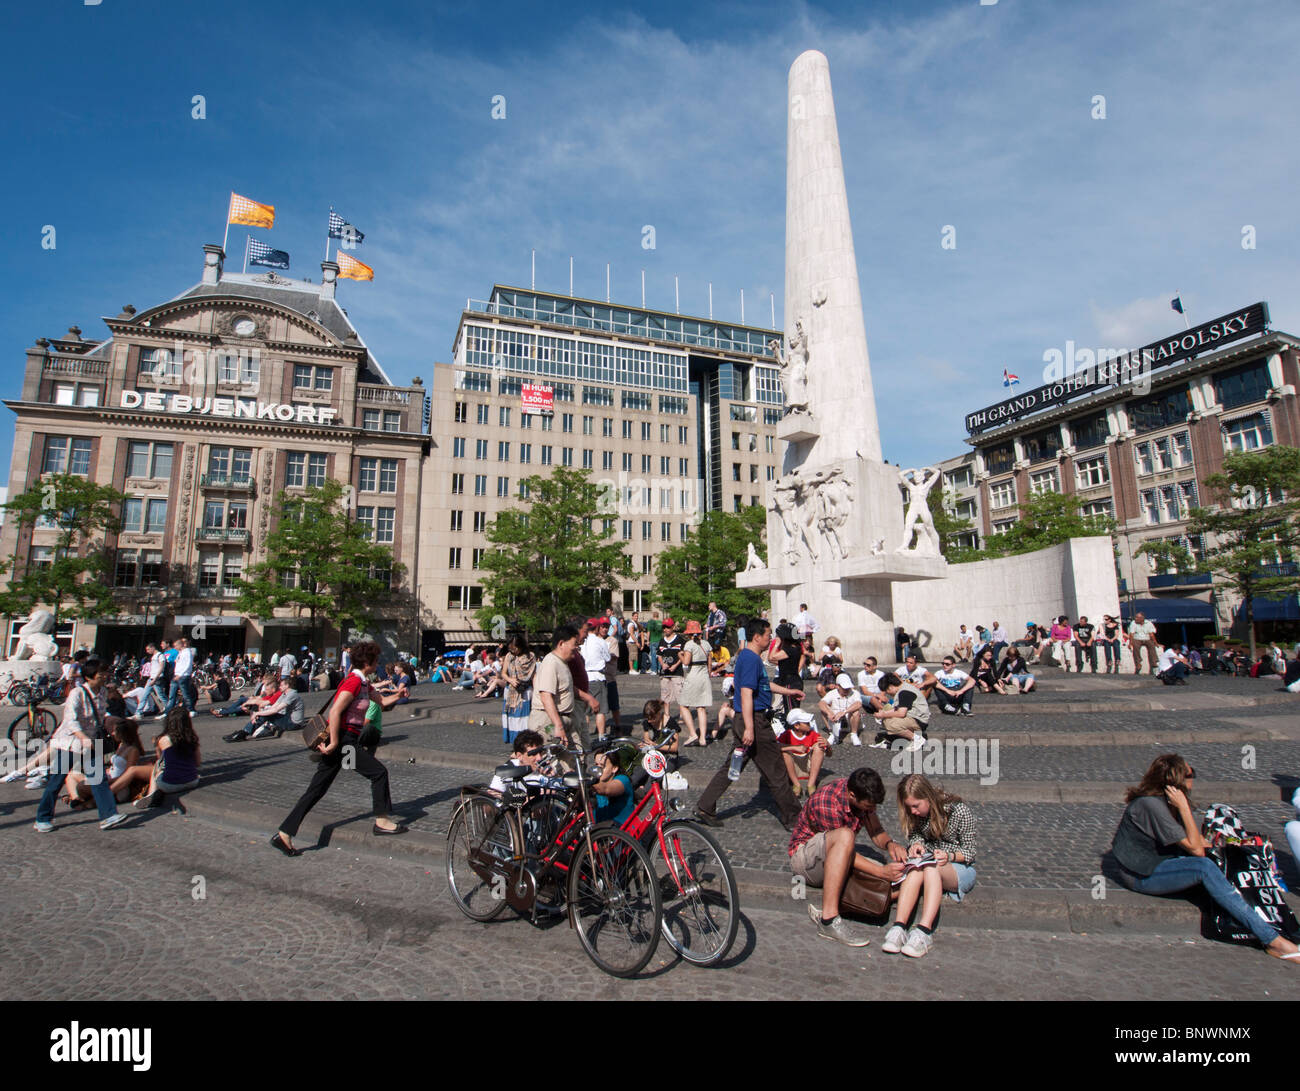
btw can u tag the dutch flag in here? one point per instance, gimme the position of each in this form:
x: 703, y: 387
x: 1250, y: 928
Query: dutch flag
x: 1008, y: 379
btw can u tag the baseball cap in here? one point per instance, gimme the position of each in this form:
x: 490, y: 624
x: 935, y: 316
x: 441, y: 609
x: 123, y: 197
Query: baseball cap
x: 669, y: 623
x: 798, y: 716
x: 844, y: 682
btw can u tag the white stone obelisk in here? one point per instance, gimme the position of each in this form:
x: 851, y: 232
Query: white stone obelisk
x: 821, y: 273
x: 835, y: 516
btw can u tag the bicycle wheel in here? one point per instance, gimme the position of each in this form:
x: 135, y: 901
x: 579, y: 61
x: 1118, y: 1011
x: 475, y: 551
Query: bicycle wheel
x: 20, y: 695
x: 614, y: 902
x: 39, y: 727
x: 480, y: 834
x: 698, y: 887
x: 238, y: 682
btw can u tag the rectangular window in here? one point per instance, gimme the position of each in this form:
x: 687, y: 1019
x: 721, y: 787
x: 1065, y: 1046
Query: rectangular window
x: 684, y: 531
x: 151, y: 568
x: 1248, y: 433
x: 1242, y: 385
x: 627, y: 530
x: 735, y: 471
x: 627, y: 429
x: 683, y: 433
x: 525, y: 453
x: 665, y: 433
x: 316, y: 470
x: 645, y: 464
x: 1159, y: 410
x: 1151, y: 506
x: 477, y: 556
x: 567, y: 422
x: 524, y: 491
x: 546, y: 454
x: 1098, y: 507
x: 481, y: 413
x: 457, y: 520
x: 1145, y: 458
x: 999, y: 460
x: 607, y: 426
x: 1003, y: 494
x: 525, y: 420
x: 587, y: 458
x: 295, y: 463
x: 1090, y: 472
x: 155, y: 517
x: 1046, y: 481
x: 566, y: 456
x: 480, y: 484
x: 385, y: 524
x: 645, y: 431
x: 457, y: 447
x: 1169, y: 505
x: 683, y: 467
x: 366, y: 517
x: 214, y: 515
x: 503, y: 451
x: 1162, y: 453
x: 771, y: 473
x: 480, y: 522
x: 480, y: 449
x: 627, y: 461
x: 503, y: 486
x: 753, y: 474
x: 1182, y: 449
x: 548, y: 422
x: 457, y: 484
x: 453, y: 557
x: 588, y: 425
x: 647, y: 530
x: 461, y: 415
x: 647, y: 565
x: 71, y: 456
x: 606, y: 460
x: 132, y: 514
x: 1003, y: 526
x: 307, y: 377
x: 387, y: 474
x: 126, y: 569
x: 665, y: 532
x: 665, y: 464
x: 209, y: 568
x: 392, y: 420
x: 503, y: 416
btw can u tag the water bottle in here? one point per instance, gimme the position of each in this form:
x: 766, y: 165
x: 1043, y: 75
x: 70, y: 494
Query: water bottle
x: 737, y: 762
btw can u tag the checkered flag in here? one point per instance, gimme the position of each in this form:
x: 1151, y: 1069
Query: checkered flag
x: 341, y: 229
x: 261, y: 254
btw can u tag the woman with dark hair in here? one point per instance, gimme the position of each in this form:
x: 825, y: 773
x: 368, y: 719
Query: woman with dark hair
x: 347, y: 721
x: 122, y: 773
x: 786, y: 652
x: 986, y: 673
x: 1159, y: 849
x: 179, y: 758
x: 935, y: 824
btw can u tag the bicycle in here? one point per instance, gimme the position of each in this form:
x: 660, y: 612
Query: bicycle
x: 555, y: 859
x: 698, y: 887
x: 39, y: 722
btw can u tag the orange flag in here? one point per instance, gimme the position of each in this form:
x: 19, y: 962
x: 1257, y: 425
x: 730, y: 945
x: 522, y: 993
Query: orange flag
x: 353, y: 269
x: 252, y: 213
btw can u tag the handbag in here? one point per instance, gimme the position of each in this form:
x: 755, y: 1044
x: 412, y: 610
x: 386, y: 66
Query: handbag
x: 865, y: 895
x: 316, y: 731
x: 1248, y: 863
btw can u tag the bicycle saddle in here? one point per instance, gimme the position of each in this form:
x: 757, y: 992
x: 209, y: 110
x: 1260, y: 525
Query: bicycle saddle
x: 512, y: 771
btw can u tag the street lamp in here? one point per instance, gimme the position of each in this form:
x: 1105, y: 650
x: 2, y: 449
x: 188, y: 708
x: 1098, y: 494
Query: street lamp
x: 152, y: 586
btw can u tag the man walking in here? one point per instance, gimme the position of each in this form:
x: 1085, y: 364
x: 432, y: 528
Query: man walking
x: 182, y: 687
x: 1142, y: 634
x: 715, y: 626
x: 752, y: 701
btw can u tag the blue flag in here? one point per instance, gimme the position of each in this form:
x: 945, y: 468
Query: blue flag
x: 341, y: 229
x: 1177, y: 304
x: 261, y: 254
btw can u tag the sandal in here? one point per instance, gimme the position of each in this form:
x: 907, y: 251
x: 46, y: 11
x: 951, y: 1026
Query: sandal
x: 278, y: 842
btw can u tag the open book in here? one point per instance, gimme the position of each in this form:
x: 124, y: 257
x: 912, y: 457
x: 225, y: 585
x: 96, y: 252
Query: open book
x: 916, y: 863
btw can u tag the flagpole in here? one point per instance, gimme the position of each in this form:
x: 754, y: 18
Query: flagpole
x: 1183, y: 310
x: 247, y: 240
x: 327, y: 236
x: 226, y: 237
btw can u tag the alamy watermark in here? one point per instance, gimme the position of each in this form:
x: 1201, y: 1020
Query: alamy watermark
x: 22, y: 750
x: 950, y: 758
x: 1078, y: 367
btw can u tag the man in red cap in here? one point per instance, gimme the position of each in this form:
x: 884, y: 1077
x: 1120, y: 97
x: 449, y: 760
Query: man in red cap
x: 670, y: 666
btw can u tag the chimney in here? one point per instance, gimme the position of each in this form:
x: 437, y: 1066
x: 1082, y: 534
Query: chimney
x: 74, y: 333
x: 213, y: 256
x: 329, y: 272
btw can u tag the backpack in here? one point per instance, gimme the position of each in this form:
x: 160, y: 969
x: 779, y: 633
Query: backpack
x: 165, y: 675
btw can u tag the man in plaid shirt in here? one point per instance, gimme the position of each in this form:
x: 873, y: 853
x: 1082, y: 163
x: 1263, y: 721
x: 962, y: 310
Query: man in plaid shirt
x: 823, y: 847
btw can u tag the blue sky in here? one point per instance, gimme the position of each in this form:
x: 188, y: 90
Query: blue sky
x: 617, y: 116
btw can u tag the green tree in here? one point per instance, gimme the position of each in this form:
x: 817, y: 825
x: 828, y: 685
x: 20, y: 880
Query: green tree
x: 78, y: 582
x: 551, y: 558
x: 323, y: 562
x: 1046, y: 519
x: 1255, y: 522
x: 1167, y: 555
x: 703, y: 568
x: 950, y: 526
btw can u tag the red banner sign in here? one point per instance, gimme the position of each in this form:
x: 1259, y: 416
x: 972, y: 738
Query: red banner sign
x: 538, y: 398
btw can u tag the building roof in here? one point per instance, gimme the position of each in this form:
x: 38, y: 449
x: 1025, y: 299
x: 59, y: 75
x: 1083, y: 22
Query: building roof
x: 301, y: 296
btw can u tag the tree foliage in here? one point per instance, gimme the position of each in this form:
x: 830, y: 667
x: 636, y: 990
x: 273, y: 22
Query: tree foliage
x: 321, y: 561
x: 703, y: 568
x: 1046, y: 519
x: 1167, y: 555
x: 1255, y: 523
x: 78, y: 582
x: 551, y: 558
x: 950, y: 526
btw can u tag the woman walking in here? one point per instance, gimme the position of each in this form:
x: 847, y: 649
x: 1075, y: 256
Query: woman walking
x: 517, y: 675
x: 347, y: 722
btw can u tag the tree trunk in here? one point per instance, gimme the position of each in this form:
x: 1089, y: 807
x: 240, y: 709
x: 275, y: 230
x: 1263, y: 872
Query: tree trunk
x: 1250, y: 623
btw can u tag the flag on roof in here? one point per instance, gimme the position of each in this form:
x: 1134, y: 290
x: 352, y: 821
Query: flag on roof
x: 353, y: 269
x: 1177, y: 304
x: 1008, y: 379
x: 249, y: 212
x: 261, y: 254
x: 341, y: 229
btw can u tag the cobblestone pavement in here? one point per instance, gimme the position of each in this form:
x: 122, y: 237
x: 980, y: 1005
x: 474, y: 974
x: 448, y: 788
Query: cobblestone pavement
x: 335, y: 924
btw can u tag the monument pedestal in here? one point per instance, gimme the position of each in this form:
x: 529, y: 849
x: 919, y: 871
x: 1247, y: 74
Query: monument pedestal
x: 797, y: 428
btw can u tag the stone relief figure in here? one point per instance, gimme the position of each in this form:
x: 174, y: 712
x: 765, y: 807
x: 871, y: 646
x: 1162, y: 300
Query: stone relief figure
x: 753, y: 563
x: 34, y: 639
x: 794, y: 368
x: 832, y: 502
x: 784, y: 499
x: 878, y: 547
x: 918, y: 520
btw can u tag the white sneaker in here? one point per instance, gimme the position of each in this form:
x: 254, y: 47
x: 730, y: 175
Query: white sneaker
x: 35, y: 783
x: 918, y: 741
x: 894, y: 940
x: 112, y: 820
x: 856, y: 740
x: 43, y: 827
x: 918, y: 944
x: 880, y: 744
x: 262, y: 732
x: 9, y: 778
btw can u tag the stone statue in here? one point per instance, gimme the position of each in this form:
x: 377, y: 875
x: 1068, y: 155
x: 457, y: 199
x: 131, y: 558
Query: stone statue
x: 753, y: 563
x: 783, y: 503
x: 832, y: 503
x: 918, y: 519
x: 794, y: 368
x: 878, y: 547
x: 34, y: 639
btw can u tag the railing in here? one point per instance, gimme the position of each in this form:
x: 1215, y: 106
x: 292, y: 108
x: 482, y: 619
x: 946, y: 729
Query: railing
x: 226, y: 481
x: 586, y: 322
x: 198, y: 591
x: 221, y: 534
x: 1288, y: 569
x: 385, y: 395
x: 75, y: 365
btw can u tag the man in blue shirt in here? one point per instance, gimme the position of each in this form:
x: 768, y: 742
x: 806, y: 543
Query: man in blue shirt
x: 752, y: 724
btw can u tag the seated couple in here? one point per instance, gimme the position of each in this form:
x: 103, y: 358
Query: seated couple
x: 823, y: 851
x: 273, y: 715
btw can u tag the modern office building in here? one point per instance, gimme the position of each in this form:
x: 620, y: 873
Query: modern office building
x: 676, y: 414
x: 202, y: 409
x: 1135, y: 438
